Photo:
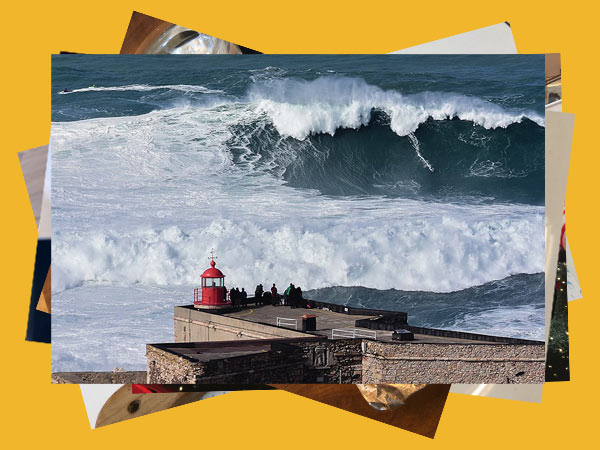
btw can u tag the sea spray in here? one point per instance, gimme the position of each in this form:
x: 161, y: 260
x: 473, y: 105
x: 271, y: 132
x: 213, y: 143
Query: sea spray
x: 435, y: 254
x: 299, y: 108
x: 415, y: 143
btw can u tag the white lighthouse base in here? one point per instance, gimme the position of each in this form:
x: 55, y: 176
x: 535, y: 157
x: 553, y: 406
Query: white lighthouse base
x: 213, y: 307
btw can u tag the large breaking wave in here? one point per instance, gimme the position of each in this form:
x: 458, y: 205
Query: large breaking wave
x: 441, y: 160
x: 299, y: 108
x: 343, y: 136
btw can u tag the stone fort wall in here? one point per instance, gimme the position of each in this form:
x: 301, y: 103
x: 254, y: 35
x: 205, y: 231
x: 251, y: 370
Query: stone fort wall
x: 341, y: 360
x: 356, y: 361
x: 288, y: 361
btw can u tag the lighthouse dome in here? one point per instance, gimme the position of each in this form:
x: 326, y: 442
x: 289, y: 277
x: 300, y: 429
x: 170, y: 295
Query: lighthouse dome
x: 212, y: 272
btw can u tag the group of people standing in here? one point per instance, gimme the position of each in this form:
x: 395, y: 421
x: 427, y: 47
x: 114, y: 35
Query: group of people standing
x: 237, y: 297
x: 292, y: 296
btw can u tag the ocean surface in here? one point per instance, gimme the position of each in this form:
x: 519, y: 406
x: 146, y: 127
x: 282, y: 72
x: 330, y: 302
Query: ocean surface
x: 401, y: 182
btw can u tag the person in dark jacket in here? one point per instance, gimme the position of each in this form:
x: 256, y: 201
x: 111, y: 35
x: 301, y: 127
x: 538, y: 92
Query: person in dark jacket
x: 287, y: 295
x: 244, y: 297
x: 266, y: 299
x: 258, y: 294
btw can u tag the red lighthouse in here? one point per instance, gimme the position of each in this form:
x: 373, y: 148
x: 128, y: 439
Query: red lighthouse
x: 214, y: 295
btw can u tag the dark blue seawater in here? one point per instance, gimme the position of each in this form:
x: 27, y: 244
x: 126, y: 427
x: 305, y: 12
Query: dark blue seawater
x: 507, y: 307
x: 366, y: 156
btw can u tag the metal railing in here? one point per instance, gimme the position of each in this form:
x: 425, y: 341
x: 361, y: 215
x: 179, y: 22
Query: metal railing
x: 353, y: 333
x: 285, y: 322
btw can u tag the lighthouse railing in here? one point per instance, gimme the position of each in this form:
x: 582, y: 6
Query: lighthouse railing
x: 353, y: 333
x: 286, y: 322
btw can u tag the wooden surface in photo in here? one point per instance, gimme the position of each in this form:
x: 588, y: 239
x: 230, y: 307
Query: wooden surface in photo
x: 33, y: 165
x: 124, y: 405
x: 420, y: 414
x: 44, y: 303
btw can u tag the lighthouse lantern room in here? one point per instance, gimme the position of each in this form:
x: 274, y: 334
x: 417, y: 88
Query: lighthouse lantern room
x: 214, y: 294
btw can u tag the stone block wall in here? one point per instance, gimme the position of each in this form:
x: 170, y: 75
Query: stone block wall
x: 261, y: 368
x: 452, y: 363
x: 167, y: 368
x: 332, y: 361
x: 296, y: 361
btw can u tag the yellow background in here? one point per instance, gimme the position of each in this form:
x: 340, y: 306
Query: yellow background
x: 38, y: 414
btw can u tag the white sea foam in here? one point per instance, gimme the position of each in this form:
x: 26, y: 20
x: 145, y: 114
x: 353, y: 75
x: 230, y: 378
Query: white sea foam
x: 146, y: 87
x: 443, y: 254
x: 103, y: 327
x: 525, y: 321
x: 299, y: 108
x: 415, y: 143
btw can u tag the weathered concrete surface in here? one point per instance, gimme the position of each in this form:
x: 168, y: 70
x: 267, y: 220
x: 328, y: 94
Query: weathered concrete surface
x: 133, y: 377
x: 241, y: 366
x: 267, y: 316
x: 466, y: 363
x: 193, y: 325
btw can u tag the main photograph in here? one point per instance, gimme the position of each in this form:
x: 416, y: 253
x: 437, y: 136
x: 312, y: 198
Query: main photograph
x: 261, y: 219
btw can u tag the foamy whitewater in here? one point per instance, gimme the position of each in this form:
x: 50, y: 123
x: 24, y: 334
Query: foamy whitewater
x: 354, y: 184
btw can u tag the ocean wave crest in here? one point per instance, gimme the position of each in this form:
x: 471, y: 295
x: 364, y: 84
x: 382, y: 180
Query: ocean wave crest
x: 299, y: 108
x: 146, y: 87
